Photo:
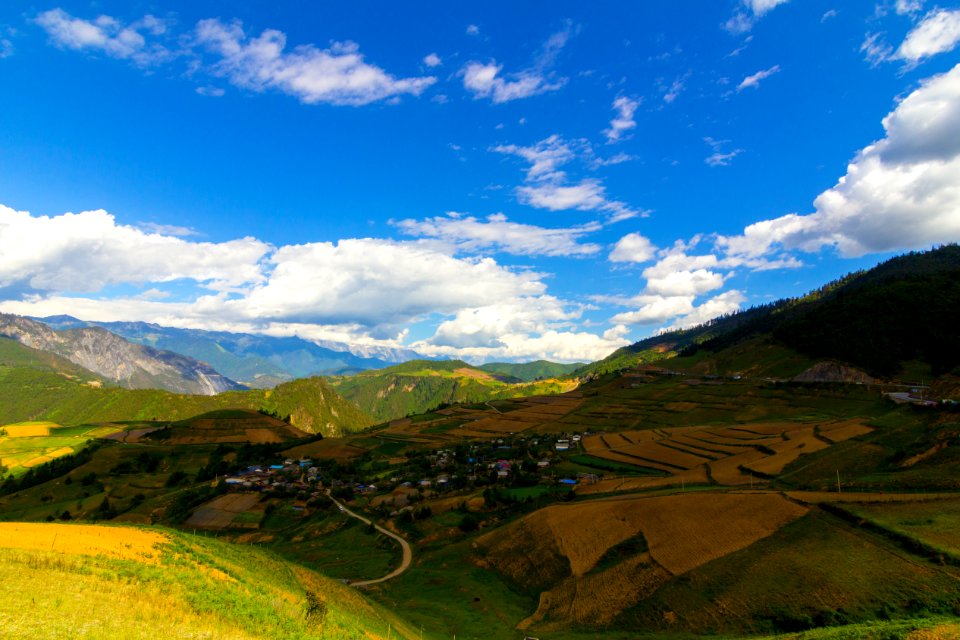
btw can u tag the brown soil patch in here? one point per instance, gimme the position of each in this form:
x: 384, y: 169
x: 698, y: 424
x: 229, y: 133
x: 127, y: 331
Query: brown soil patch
x: 844, y: 430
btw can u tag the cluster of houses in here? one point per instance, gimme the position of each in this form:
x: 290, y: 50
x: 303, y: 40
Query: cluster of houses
x: 496, y: 461
x: 292, y: 474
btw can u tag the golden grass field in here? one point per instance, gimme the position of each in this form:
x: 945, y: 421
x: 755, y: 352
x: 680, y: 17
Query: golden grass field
x: 83, y: 539
x: 29, y: 429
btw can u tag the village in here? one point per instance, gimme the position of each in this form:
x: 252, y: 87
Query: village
x: 513, y: 462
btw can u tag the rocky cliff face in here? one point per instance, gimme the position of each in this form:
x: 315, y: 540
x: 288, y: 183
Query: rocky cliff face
x: 130, y: 365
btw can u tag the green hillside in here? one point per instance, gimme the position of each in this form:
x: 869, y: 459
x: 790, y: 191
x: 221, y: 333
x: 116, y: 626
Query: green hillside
x: 420, y: 385
x: 529, y: 371
x: 37, y: 386
x: 901, y: 311
x: 159, y: 583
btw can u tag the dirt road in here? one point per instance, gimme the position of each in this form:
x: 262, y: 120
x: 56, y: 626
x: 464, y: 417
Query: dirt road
x: 404, y: 545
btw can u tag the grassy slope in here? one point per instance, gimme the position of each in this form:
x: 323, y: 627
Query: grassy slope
x: 35, y: 387
x: 420, y: 385
x: 199, y: 588
x: 528, y: 371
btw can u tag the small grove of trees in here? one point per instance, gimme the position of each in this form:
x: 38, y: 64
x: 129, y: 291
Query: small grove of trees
x: 48, y: 471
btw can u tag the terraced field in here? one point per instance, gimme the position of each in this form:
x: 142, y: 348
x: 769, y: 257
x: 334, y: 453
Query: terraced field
x: 730, y: 455
x: 25, y: 445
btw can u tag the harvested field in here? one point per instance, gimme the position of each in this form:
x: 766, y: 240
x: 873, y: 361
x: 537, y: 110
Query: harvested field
x: 83, y: 539
x: 799, y: 443
x: 697, y: 475
x: 844, y: 430
x: 817, y: 497
x: 596, y: 599
x: 262, y: 436
x: 683, y: 531
x: 220, y: 512
x: 727, y: 471
x: 29, y: 429
x: 687, y: 531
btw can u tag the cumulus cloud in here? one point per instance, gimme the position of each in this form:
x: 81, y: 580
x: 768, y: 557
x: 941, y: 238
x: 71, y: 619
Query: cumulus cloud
x: 372, y: 281
x: 107, y: 35
x: 939, y: 32
x: 755, y: 79
x: 902, y: 192
x: 497, y: 233
x: 337, y: 75
x: 432, y: 60
x: 87, y: 251
x: 719, y: 305
x: 547, y: 185
x: 527, y: 328
x: 623, y: 121
x: 633, y: 247
x: 486, y: 80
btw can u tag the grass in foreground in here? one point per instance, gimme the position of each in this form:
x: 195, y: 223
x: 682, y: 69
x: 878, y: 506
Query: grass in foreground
x: 188, y: 588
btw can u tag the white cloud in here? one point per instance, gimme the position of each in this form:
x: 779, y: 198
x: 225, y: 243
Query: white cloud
x: 371, y: 281
x: 211, y: 92
x: 87, y: 251
x: 364, y: 291
x: 623, y: 121
x: 719, y: 157
x: 633, y: 247
x: 939, y: 32
x: 680, y: 83
x: 497, y: 233
x: 107, y: 35
x: 432, y: 60
x: 831, y: 13
x: 473, y: 30
x: 908, y: 7
x: 875, y: 49
x: 755, y: 79
x: 654, y: 309
x: 6, y: 48
x: 722, y: 304
x: 338, y: 75
x: 902, y: 192
x: 548, y: 187
x: 523, y: 328
x: 484, y: 80
x: 746, y: 16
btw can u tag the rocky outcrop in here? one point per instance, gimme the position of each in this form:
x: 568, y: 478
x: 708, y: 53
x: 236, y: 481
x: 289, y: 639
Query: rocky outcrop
x: 129, y: 365
x: 830, y: 371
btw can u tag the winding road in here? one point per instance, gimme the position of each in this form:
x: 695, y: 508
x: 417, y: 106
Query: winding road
x: 407, y: 551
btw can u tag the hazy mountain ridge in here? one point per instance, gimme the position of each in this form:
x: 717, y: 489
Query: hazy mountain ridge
x: 36, y: 385
x: 124, y: 363
x: 257, y: 360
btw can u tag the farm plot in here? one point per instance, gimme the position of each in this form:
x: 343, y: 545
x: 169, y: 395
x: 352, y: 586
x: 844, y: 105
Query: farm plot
x: 682, y: 531
x: 844, y: 430
x: 223, y: 512
x: 798, y: 443
x: 731, y: 455
x: 30, y: 444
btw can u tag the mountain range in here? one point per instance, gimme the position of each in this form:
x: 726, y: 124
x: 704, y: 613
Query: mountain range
x: 256, y: 360
x: 123, y: 363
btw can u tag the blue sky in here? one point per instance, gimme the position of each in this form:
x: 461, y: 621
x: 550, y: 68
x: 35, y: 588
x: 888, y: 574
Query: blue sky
x: 481, y: 180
